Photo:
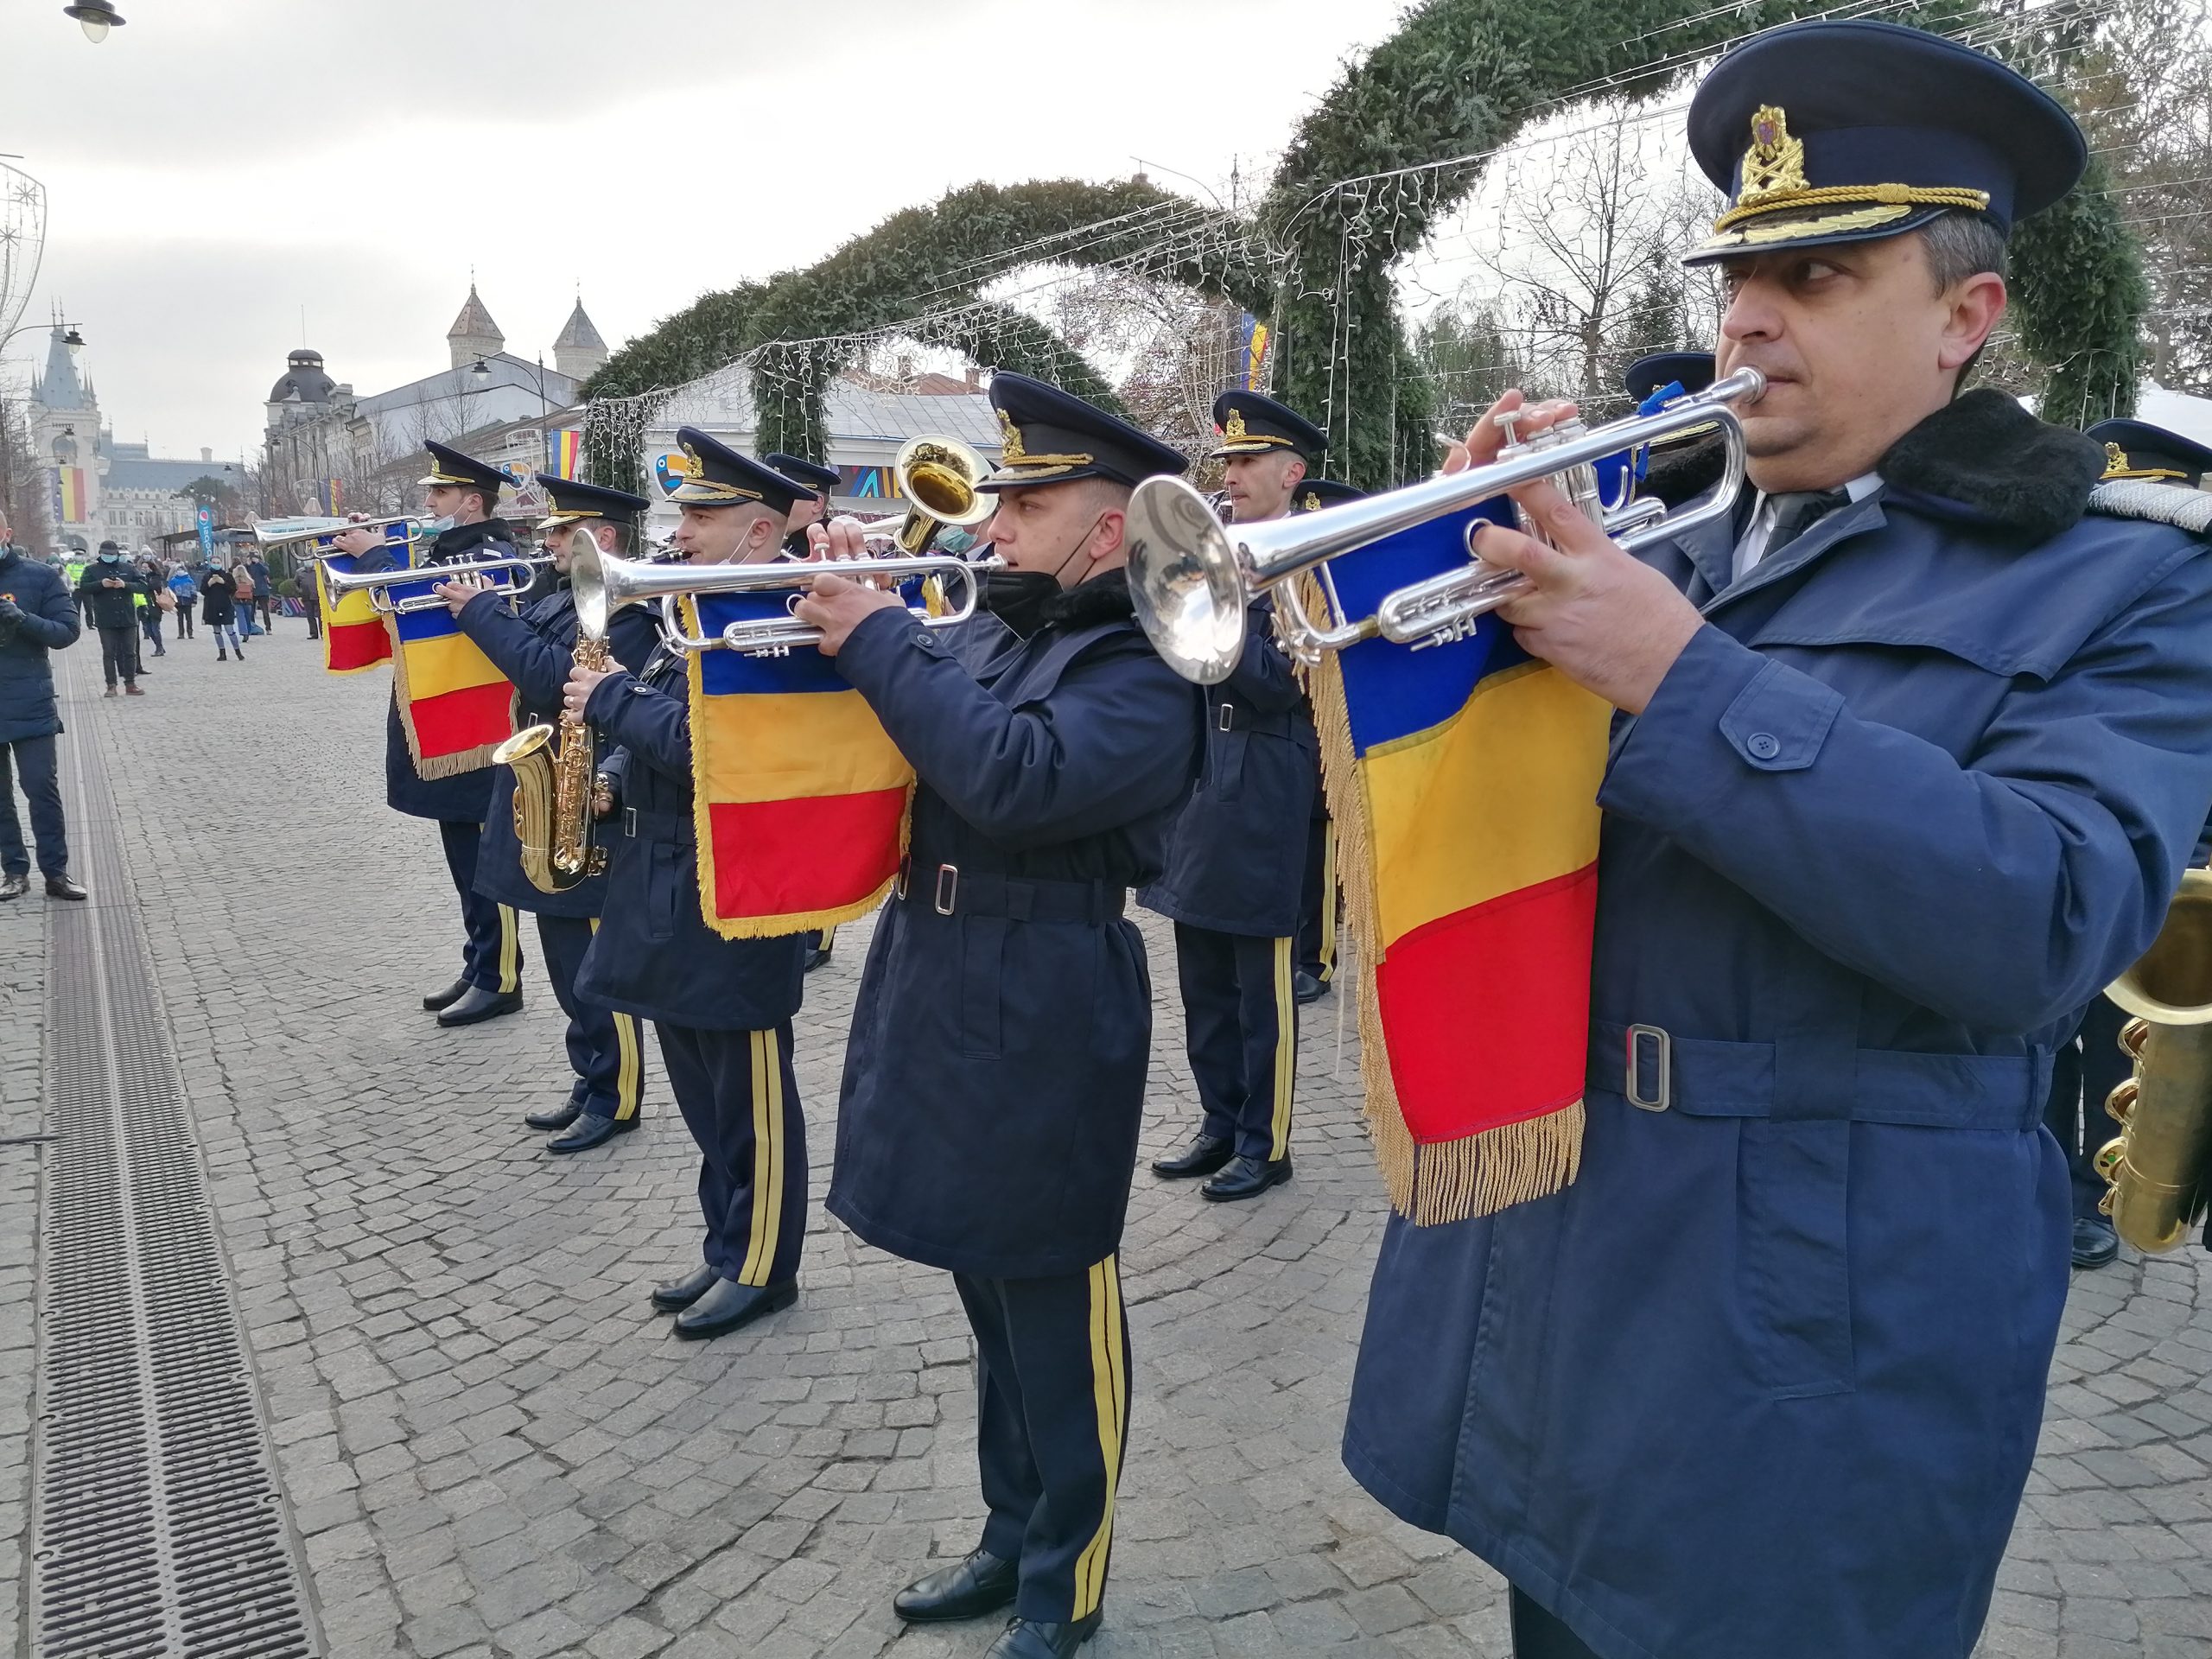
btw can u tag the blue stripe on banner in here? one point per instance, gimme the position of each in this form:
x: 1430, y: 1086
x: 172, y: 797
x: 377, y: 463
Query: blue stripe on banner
x: 728, y: 673
x: 436, y: 623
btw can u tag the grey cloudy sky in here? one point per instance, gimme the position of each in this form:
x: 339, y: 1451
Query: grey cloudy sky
x: 217, y: 164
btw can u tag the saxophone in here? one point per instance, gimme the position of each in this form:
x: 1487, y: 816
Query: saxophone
x: 553, y: 793
x: 2159, y: 1167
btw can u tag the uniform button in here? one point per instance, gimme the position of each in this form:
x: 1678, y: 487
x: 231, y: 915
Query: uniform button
x: 1764, y: 745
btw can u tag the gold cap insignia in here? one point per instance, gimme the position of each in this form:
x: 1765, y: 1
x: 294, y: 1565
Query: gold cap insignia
x: 1775, y: 163
x: 1234, y: 430
x: 1312, y: 502
x: 687, y: 465
x: 2116, y: 460
x: 1010, y: 449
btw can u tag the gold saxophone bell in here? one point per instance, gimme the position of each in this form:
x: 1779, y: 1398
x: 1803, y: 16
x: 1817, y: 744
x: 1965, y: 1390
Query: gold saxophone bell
x: 2158, y: 1166
x: 555, y: 770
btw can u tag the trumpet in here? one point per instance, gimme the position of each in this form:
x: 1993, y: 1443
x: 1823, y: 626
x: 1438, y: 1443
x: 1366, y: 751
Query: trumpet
x: 519, y: 568
x: 287, y: 532
x: 1191, y: 578
x: 602, y: 584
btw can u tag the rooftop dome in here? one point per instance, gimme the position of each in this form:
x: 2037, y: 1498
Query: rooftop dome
x: 304, y: 382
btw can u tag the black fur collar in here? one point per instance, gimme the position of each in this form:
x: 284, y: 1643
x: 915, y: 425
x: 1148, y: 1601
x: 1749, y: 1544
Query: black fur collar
x: 1102, y: 599
x: 1681, y: 476
x: 1985, y: 462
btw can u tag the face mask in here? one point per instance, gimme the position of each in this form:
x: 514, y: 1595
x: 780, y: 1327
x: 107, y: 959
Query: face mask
x: 1017, y: 598
x: 438, y: 526
x: 111, y: 558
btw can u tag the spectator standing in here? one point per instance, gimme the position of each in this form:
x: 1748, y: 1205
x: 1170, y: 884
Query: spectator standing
x: 218, y: 611
x: 242, y: 595
x: 265, y: 591
x: 152, y: 602
x: 37, y: 614
x: 186, y: 592
x: 108, y: 594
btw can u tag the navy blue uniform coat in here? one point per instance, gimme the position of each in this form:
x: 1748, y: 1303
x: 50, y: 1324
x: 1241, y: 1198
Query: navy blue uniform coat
x: 534, y: 650
x: 1236, y: 859
x: 49, y: 623
x: 654, y: 955
x: 465, y: 798
x: 1766, y: 1380
x: 994, y: 1078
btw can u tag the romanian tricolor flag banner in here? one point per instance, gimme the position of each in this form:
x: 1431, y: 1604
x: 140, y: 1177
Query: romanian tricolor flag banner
x: 354, y: 636
x: 801, y: 797
x: 454, y: 707
x: 564, y: 448
x: 1463, y: 777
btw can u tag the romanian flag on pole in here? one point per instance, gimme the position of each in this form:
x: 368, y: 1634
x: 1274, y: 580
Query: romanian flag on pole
x: 801, y: 798
x: 1463, y: 778
x: 454, y: 707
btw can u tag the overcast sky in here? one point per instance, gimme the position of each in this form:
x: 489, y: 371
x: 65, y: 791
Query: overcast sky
x: 216, y: 165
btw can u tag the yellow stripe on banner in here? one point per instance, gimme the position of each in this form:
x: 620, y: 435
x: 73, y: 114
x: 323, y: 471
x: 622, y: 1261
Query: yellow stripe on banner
x: 1532, y: 725
x: 1109, y: 1400
x: 1328, y: 899
x: 510, y: 951
x: 453, y: 662
x: 794, y: 746
x: 1286, y: 1052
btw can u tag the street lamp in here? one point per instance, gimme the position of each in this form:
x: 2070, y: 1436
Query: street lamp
x: 95, y: 17
x: 482, y: 371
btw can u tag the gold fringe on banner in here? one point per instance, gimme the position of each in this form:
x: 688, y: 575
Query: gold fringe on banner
x: 438, y: 766
x: 1450, y: 1180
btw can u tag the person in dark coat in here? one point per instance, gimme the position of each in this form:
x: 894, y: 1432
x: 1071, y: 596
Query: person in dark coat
x: 820, y: 482
x: 994, y: 1079
x: 108, y: 594
x: 1910, y: 758
x: 722, y: 1008
x: 535, y: 650
x: 463, y: 497
x: 38, y: 614
x: 219, y: 609
x: 1236, y: 862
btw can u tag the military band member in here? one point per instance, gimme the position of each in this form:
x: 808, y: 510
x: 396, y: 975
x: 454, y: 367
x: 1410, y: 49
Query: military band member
x: 809, y: 509
x: 722, y: 1008
x: 1909, y: 762
x: 1236, y: 859
x: 534, y: 650
x: 995, y: 1079
x: 464, y: 497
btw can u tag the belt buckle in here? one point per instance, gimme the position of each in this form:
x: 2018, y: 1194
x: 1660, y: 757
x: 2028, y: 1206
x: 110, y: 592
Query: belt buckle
x: 948, y: 889
x: 630, y: 821
x: 1227, y: 720
x: 1630, y: 1086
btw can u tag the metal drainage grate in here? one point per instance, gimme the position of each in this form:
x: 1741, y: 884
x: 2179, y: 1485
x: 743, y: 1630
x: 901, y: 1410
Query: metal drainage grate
x: 157, y: 1526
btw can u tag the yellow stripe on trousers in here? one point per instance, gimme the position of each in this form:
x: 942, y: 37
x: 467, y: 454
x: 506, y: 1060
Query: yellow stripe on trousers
x: 1328, y: 899
x: 510, y: 949
x: 767, y: 1157
x: 629, y: 1075
x: 1110, y: 1386
x: 1286, y: 1053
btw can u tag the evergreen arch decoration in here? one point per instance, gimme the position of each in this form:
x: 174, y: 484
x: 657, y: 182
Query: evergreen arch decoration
x: 1365, y: 181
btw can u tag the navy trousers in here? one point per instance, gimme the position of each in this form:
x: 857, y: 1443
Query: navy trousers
x: 34, y: 760
x: 1317, y: 904
x: 491, y: 956
x: 1537, y: 1635
x: 739, y: 1099
x: 605, y: 1048
x: 1240, y: 1026
x: 2083, y: 1074
x: 119, y: 654
x: 1052, y: 1415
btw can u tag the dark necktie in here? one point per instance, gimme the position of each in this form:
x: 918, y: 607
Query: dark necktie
x: 1796, y: 512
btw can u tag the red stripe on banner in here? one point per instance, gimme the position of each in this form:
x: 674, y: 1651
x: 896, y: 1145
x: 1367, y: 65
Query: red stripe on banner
x: 793, y: 858
x: 457, y: 722
x: 1486, y: 1012
x: 358, y: 645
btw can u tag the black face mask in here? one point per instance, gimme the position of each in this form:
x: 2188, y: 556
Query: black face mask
x: 1017, y: 598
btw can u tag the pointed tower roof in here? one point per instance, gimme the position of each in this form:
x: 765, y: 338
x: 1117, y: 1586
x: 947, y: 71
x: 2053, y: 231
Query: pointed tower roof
x: 578, y: 335
x: 59, y: 388
x: 474, y: 321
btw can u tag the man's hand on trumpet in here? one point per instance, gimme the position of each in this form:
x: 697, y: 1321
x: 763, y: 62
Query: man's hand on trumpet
x: 457, y: 591
x: 357, y: 542
x: 582, y: 682
x: 837, y: 604
x: 1609, y: 622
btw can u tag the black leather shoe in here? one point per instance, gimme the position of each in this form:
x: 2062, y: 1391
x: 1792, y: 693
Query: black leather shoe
x: 437, y: 1001
x: 478, y: 1004
x: 815, y: 956
x: 1305, y: 987
x: 13, y: 886
x: 588, y: 1131
x: 1202, y: 1157
x: 2095, y: 1244
x: 558, y: 1117
x: 731, y: 1306
x: 1246, y: 1178
x: 61, y: 886
x: 679, y: 1293
x: 977, y: 1583
x: 1033, y: 1638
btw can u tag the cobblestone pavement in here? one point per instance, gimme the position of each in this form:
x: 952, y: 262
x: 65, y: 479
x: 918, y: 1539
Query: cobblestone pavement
x: 491, y: 1447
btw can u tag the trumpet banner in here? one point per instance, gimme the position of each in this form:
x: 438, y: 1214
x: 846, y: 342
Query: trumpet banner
x: 1463, y: 778
x: 801, y: 798
x: 353, y: 632
x: 454, y: 707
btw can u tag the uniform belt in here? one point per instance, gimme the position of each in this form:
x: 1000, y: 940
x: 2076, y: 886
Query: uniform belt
x: 1236, y: 717
x: 949, y: 891
x: 637, y: 821
x: 1701, y: 1078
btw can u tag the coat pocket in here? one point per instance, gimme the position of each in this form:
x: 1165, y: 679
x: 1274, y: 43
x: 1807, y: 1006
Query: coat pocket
x: 664, y: 888
x: 1793, y: 1178
x: 982, y: 960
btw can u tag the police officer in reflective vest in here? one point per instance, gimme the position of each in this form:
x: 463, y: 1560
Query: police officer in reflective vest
x: 534, y: 650
x: 722, y: 1008
x: 1910, y: 758
x: 463, y: 499
x: 995, y: 1079
x: 810, y: 509
x: 1237, y: 862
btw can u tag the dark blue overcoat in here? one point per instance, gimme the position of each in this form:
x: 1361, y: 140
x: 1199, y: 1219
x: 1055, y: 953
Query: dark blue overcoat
x: 995, y: 1074
x: 534, y: 650
x: 50, y: 622
x: 465, y: 798
x: 654, y: 956
x: 1766, y: 1380
x: 1236, y: 858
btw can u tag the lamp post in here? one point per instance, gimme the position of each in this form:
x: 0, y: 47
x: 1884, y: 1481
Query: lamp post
x: 482, y: 371
x: 95, y: 17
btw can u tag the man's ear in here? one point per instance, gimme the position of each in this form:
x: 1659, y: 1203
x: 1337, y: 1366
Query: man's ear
x: 1294, y: 474
x: 1977, y: 306
x: 1106, y: 540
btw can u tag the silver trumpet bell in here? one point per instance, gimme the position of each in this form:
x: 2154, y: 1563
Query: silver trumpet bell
x: 518, y: 571
x: 1193, y: 577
